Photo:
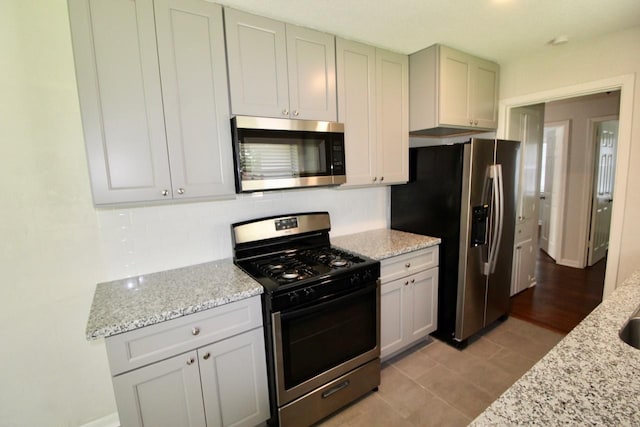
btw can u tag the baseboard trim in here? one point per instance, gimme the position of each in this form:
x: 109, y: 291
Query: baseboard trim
x: 569, y: 263
x: 111, y: 420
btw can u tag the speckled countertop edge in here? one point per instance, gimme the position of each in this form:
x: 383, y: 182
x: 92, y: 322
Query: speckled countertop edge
x: 590, y: 378
x: 384, y: 243
x: 124, y: 305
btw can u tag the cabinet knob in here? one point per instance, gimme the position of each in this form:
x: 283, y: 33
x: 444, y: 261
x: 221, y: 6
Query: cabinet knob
x: 165, y: 193
x: 375, y: 178
x: 475, y: 123
x: 195, y: 331
x: 285, y: 112
x: 408, y: 265
x: 180, y: 190
x: 381, y: 178
x: 471, y: 122
x: 406, y: 282
x: 413, y: 280
x: 206, y: 355
x: 190, y: 361
x: 295, y: 113
x: 518, y: 247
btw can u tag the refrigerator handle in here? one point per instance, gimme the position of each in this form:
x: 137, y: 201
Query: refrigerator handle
x: 500, y: 216
x: 495, y: 173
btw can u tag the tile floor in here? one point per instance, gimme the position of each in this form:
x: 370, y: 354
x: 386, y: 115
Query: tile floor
x: 433, y: 384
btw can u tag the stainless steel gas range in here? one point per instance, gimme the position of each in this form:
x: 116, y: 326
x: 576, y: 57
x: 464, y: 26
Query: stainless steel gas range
x: 321, y: 310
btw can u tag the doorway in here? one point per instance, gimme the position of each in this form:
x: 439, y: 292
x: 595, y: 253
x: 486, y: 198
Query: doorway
x: 569, y: 172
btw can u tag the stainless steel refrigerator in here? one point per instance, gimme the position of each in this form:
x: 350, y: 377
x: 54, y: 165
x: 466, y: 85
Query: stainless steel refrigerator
x: 466, y: 195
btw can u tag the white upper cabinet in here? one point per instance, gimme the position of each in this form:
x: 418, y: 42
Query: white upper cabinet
x: 451, y: 92
x: 373, y: 105
x: 279, y: 70
x: 152, y: 89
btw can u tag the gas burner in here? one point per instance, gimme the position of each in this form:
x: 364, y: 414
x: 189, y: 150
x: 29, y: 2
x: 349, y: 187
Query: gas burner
x: 338, y: 262
x: 290, y: 275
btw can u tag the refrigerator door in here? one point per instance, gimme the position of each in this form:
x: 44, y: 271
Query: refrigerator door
x: 499, y: 284
x: 477, y: 196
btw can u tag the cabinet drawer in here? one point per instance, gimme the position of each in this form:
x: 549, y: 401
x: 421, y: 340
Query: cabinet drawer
x: 146, y: 345
x: 412, y: 262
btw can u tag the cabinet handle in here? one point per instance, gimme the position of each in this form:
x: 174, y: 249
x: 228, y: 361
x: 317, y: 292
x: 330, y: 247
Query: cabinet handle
x: 518, y: 247
x: 406, y: 282
x: 375, y: 178
x: 206, y: 355
x: 295, y: 113
x: 413, y: 280
x: 475, y: 123
x: 190, y: 361
x: 180, y: 190
x: 381, y: 178
x: 408, y: 265
x: 195, y: 331
x: 165, y: 193
x: 285, y: 112
x: 471, y: 122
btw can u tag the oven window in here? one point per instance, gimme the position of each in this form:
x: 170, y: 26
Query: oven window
x: 322, y: 339
x: 263, y: 157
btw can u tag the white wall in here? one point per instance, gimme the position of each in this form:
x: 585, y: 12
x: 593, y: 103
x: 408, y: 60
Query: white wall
x: 55, y: 246
x: 577, y: 203
x: 561, y: 66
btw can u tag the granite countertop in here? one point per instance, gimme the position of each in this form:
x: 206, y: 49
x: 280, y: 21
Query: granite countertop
x: 127, y: 304
x: 384, y: 243
x: 590, y: 378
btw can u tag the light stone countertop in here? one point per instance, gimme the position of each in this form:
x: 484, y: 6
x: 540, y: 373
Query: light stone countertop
x: 591, y: 377
x: 127, y: 304
x: 384, y: 243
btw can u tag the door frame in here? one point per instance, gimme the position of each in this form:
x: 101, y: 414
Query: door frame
x: 560, y: 181
x: 625, y: 84
x: 590, y: 165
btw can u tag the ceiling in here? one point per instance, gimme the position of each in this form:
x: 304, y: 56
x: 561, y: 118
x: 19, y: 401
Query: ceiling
x: 500, y: 30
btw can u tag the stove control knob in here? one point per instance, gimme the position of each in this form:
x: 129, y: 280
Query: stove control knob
x: 355, y: 279
x: 367, y: 275
x: 294, y: 297
x: 308, y: 292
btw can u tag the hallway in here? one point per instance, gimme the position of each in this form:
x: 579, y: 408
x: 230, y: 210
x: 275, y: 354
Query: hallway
x: 562, y: 297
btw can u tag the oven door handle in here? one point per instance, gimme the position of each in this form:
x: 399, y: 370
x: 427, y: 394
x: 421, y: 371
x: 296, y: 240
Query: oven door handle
x: 284, y: 315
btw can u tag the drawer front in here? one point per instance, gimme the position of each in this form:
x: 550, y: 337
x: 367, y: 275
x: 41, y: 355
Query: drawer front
x: 402, y: 265
x: 146, y: 345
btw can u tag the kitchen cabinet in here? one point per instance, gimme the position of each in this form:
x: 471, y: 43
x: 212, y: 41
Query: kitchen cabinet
x: 279, y: 70
x: 409, y: 298
x: 452, y: 92
x: 152, y: 86
x: 220, y: 380
x: 524, y: 263
x: 373, y: 105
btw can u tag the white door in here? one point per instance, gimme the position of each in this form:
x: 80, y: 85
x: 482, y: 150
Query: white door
x: 546, y: 187
x: 526, y: 124
x: 606, y: 141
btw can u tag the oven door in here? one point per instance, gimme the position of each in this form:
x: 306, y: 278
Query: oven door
x: 316, y: 344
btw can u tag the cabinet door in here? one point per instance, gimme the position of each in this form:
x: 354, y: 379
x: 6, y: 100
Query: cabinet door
x: 311, y: 58
x: 234, y: 380
x: 195, y: 94
x: 257, y: 61
x: 114, y: 45
x: 356, y: 108
x: 484, y: 96
x: 164, y: 394
x: 524, y: 266
x: 392, y: 313
x: 422, y: 298
x: 455, y: 87
x: 392, y: 106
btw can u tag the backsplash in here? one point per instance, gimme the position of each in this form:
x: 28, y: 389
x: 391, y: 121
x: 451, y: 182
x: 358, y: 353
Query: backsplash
x: 141, y: 240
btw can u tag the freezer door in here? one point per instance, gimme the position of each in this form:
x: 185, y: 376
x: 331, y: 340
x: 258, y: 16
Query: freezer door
x: 499, y: 284
x: 477, y: 198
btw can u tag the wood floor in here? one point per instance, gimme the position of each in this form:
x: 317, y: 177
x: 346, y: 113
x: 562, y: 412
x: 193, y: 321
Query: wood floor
x: 562, y: 297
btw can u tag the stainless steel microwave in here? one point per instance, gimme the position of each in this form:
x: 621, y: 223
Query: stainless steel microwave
x: 272, y: 154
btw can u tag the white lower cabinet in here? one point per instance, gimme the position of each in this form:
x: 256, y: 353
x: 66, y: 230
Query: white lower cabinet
x: 223, y: 383
x: 409, y: 298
